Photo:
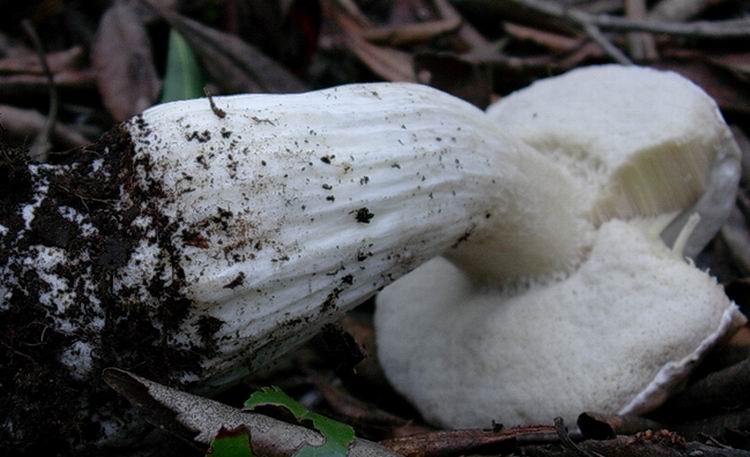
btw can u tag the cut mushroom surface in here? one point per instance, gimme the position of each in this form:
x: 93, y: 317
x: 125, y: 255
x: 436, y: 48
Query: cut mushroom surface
x: 623, y: 330
x: 467, y: 355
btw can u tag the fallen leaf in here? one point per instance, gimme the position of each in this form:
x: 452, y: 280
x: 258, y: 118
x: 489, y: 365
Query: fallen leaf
x: 233, y: 442
x: 286, y: 31
x: 184, y: 78
x: 15, y: 87
x: 739, y: 64
x: 338, y: 436
x: 471, y: 81
x: 124, y: 64
x: 471, y: 37
x: 60, y: 61
x: 25, y: 124
x: 199, y: 419
x: 552, y: 41
x: 234, y: 65
x: 390, y: 64
x: 410, y: 34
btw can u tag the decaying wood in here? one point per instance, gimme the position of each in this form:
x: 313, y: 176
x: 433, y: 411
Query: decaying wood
x: 461, y: 442
x: 715, y: 426
x: 646, y: 445
x: 606, y: 426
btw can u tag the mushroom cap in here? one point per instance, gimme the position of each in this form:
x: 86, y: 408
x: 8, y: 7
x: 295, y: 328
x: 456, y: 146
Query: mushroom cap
x: 639, y: 140
x: 467, y: 355
x: 622, y: 331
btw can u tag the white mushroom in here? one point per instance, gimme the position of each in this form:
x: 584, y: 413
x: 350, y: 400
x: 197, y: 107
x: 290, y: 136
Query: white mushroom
x: 621, y: 332
x: 292, y: 207
x: 195, y: 244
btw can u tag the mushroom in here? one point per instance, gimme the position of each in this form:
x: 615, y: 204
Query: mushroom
x: 194, y: 244
x: 623, y: 329
x: 199, y: 241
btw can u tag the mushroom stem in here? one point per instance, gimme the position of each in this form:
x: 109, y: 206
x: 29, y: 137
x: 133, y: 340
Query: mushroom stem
x: 193, y: 248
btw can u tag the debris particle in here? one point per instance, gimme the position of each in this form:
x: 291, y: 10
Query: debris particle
x: 220, y: 113
x: 236, y: 282
x: 363, y: 215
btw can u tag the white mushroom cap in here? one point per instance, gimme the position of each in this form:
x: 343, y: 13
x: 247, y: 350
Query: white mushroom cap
x: 467, y: 355
x: 624, y: 330
x: 645, y: 151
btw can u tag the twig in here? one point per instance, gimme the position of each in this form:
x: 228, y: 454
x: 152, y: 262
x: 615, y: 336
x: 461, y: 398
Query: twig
x: 611, y: 50
x: 411, y: 34
x: 642, y: 45
x: 657, y: 445
x: 713, y: 30
x: 568, y: 443
x: 218, y: 112
x: 27, y: 123
x: 679, y: 10
x: 469, y: 34
x: 40, y: 148
x: 463, y: 442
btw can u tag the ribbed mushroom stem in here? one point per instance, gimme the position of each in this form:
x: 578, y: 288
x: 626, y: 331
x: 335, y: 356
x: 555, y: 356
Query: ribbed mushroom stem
x: 193, y: 243
x: 289, y: 209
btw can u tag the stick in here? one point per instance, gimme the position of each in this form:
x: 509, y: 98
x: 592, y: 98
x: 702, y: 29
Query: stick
x: 611, y: 50
x: 41, y: 146
x: 641, y: 45
x: 710, y: 30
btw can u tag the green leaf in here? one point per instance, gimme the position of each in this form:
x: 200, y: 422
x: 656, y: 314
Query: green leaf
x: 231, y: 443
x: 184, y: 78
x: 338, y: 436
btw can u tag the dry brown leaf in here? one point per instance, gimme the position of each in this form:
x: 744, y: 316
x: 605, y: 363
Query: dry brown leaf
x: 125, y: 71
x: 69, y: 59
x: 739, y: 64
x: 15, y: 87
x: 467, y: 32
x: 410, y: 34
x: 234, y: 65
x: 552, y: 41
x: 25, y: 124
x: 471, y: 81
x: 409, y: 11
x: 390, y: 64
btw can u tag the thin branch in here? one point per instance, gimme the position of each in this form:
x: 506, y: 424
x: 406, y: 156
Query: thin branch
x: 611, y: 50
x: 642, y: 45
x: 568, y: 443
x: 713, y: 30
